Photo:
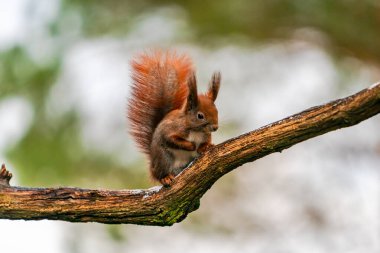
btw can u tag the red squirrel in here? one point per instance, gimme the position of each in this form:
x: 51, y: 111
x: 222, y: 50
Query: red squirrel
x: 170, y: 122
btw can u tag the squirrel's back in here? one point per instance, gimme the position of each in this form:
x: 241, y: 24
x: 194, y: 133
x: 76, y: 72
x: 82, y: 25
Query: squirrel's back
x: 158, y: 86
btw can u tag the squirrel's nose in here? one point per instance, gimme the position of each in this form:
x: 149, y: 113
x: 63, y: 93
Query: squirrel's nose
x: 214, y: 127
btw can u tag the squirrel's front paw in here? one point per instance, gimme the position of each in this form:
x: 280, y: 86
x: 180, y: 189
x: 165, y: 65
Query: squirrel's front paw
x: 166, y: 181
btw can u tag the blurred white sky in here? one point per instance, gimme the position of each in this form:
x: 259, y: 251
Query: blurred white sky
x: 12, y: 22
x: 21, y: 20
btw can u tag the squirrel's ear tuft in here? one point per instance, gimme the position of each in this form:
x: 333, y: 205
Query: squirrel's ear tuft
x: 214, y: 86
x: 192, y: 96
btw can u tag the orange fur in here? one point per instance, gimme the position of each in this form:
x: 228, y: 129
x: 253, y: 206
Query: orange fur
x: 158, y: 87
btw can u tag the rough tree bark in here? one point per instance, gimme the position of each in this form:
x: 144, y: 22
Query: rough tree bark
x: 162, y: 206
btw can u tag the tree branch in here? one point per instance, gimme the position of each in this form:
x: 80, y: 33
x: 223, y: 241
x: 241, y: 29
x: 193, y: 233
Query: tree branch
x: 162, y: 206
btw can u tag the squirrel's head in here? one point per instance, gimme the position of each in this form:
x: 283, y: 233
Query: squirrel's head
x: 201, y: 111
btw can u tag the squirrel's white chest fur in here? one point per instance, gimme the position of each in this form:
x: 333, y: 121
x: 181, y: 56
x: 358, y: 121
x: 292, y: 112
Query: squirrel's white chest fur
x: 196, y: 137
x: 183, y: 157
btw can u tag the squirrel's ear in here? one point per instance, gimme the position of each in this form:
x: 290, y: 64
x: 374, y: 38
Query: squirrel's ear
x: 192, y: 96
x: 214, y: 86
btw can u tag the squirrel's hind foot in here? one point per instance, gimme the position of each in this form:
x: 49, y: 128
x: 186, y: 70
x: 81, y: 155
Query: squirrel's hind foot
x: 167, y: 181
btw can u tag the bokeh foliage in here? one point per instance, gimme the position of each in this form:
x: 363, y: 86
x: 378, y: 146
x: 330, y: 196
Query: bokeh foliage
x: 350, y: 27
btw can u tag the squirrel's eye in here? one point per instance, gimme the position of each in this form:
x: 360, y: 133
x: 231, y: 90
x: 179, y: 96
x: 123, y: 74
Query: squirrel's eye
x: 200, y: 115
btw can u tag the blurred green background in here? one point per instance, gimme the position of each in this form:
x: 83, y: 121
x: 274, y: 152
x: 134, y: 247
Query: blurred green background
x: 64, y: 87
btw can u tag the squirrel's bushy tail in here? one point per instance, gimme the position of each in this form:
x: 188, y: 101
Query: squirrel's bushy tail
x: 158, y: 86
